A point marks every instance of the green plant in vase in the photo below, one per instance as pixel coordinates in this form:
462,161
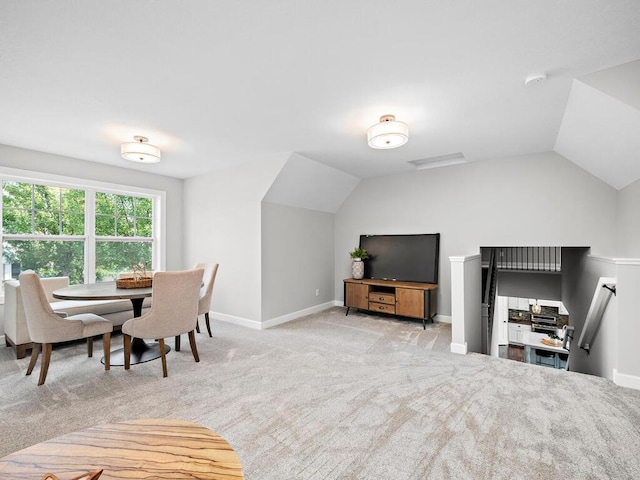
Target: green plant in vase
360,253
357,266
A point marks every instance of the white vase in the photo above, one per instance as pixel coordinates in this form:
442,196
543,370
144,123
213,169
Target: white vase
357,268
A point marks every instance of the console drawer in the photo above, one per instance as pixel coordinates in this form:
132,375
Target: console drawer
382,307
378,297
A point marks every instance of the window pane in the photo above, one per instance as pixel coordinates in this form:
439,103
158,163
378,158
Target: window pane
16,221
125,227
124,205
73,223
44,219
72,200
105,203
46,223
145,228
131,216
15,194
46,198
105,226
144,207
113,258
47,258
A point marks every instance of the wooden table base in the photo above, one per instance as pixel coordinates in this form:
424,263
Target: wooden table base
138,449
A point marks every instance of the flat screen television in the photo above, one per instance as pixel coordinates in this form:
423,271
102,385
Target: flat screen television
406,258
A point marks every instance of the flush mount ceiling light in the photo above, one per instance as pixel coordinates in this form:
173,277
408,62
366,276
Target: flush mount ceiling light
140,151
389,133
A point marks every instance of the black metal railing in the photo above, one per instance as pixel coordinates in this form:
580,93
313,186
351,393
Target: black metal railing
536,259
488,301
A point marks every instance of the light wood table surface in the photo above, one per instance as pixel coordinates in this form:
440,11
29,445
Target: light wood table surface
150,448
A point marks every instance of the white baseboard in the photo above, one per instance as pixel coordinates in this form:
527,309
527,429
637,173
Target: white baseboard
2,339
245,322
624,380
443,318
300,313
460,348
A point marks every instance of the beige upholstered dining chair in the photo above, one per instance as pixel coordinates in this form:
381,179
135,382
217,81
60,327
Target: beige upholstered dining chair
204,304
46,327
174,311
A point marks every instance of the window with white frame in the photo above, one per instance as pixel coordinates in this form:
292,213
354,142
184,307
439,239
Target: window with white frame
86,233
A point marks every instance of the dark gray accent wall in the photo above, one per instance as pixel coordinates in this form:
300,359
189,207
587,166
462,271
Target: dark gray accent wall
546,286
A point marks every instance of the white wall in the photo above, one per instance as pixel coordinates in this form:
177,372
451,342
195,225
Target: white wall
535,200
628,304
547,286
629,221
297,258
222,223
628,285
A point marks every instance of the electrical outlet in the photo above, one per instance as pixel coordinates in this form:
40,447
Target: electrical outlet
317,292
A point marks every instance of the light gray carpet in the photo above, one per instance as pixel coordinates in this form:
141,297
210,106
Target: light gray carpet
335,397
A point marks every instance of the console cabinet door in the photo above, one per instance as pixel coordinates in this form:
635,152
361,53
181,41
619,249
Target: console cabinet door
410,302
357,295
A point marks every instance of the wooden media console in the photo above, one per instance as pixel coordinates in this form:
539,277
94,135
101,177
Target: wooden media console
407,299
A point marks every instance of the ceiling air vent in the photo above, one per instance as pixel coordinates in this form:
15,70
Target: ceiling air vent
439,161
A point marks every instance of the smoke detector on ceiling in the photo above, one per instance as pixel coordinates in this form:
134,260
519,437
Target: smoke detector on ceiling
535,78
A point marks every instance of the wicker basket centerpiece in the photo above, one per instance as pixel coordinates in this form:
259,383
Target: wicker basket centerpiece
137,278
131,282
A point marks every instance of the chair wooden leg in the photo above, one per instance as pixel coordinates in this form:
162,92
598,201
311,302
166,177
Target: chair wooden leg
164,357
206,318
197,326
46,358
127,351
21,350
194,348
89,347
177,343
106,346
35,350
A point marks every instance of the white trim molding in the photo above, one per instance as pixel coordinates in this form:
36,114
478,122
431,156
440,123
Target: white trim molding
256,325
627,261
464,259
459,348
624,380
295,315
596,258
243,322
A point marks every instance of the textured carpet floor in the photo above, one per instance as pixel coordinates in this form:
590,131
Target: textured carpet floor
335,397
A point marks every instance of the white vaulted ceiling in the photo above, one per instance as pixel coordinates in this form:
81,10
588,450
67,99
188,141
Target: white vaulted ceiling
600,130
218,83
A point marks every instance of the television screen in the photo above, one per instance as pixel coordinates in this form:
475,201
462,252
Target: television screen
407,258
